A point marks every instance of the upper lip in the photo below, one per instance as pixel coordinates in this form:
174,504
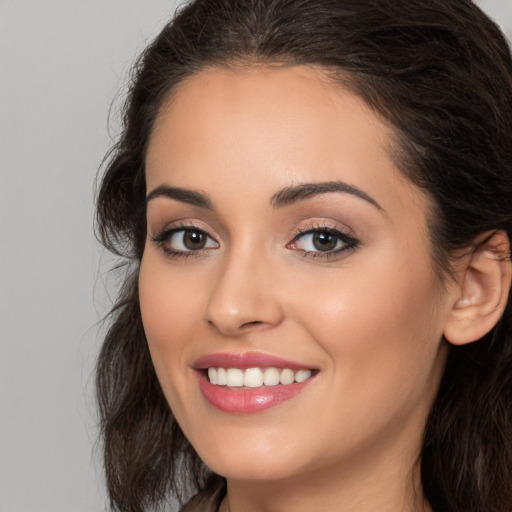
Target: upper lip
246,360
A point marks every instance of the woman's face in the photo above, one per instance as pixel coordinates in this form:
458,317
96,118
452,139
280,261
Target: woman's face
283,243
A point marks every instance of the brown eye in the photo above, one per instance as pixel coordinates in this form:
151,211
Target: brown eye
323,241
194,240
184,240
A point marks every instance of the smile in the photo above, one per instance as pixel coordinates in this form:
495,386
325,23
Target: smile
251,382
256,377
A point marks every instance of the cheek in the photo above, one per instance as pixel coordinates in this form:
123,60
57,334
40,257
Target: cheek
371,300
171,311
170,314
381,330
168,299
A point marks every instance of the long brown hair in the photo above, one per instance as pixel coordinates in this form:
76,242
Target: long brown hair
440,72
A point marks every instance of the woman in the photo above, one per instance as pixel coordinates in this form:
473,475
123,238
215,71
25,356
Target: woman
315,198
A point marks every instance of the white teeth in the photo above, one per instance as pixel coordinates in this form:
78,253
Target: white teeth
256,377
212,375
287,376
234,377
300,376
221,377
253,378
271,377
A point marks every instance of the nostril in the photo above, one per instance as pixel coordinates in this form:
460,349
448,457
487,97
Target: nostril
235,328
248,325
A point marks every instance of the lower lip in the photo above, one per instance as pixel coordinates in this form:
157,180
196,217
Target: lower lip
249,400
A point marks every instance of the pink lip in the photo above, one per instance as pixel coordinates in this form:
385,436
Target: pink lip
247,400
246,360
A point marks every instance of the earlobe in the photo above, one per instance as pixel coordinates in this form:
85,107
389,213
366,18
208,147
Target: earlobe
484,285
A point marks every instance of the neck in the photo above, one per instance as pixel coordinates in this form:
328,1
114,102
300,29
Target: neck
304,496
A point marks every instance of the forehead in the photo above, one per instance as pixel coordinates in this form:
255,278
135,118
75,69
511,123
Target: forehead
266,127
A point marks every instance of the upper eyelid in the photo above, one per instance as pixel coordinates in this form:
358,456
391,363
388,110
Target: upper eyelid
341,234
293,234
176,229
321,225
171,230
183,224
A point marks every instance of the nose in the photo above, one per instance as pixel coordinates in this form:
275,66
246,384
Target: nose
244,296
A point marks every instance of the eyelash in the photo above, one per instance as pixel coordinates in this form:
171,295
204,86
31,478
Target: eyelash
350,243
163,238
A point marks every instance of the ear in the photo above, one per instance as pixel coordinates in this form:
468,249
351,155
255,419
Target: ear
484,283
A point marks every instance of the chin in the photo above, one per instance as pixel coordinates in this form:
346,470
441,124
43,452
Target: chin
253,459
254,470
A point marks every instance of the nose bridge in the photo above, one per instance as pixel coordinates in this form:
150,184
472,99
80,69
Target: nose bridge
243,295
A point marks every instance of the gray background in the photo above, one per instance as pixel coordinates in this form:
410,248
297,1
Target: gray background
61,65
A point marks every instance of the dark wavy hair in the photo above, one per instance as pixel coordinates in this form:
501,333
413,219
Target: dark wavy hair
440,73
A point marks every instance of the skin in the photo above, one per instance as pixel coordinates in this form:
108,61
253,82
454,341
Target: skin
371,318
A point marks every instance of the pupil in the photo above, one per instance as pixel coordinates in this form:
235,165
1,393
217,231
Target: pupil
324,241
194,240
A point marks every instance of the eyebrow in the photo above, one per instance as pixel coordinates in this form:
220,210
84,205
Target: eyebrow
294,194
183,195
285,197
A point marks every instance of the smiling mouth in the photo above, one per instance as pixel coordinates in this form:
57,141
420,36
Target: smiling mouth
257,377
